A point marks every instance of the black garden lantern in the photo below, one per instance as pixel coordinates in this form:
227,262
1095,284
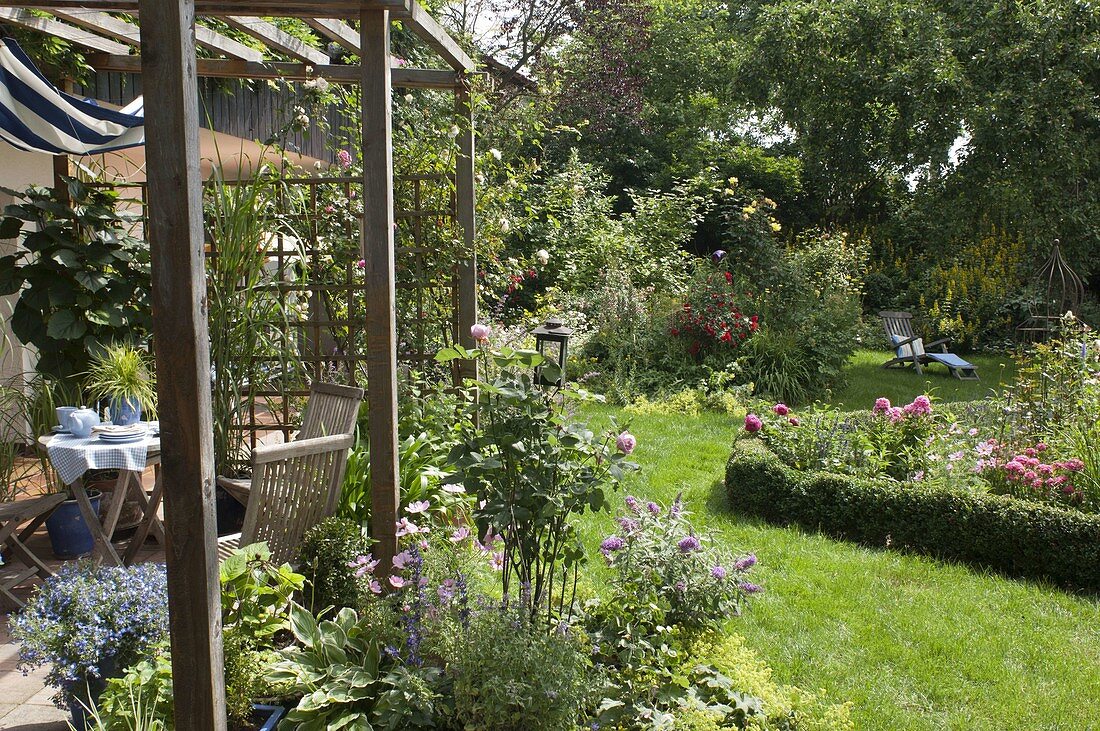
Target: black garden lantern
552,341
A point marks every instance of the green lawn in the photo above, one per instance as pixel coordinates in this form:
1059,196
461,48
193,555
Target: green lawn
912,642
867,380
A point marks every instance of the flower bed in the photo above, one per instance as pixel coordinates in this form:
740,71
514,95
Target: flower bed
1016,537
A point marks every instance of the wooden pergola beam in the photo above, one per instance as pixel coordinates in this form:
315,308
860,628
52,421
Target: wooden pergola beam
215,41
377,250
221,8
102,24
432,33
277,39
112,27
175,229
20,17
404,78
336,30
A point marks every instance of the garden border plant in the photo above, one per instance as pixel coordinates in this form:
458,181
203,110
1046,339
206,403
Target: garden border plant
1014,537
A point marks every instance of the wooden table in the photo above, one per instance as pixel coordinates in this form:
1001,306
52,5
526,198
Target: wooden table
128,483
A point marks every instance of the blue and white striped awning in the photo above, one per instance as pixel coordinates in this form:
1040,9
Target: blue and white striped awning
38,117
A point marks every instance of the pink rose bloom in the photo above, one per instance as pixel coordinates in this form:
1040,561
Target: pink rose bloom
753,423
781,409
330,209
882,405
361,264
480,332
793,421
626,442
345,159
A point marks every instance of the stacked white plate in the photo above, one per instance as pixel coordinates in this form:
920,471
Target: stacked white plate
120,434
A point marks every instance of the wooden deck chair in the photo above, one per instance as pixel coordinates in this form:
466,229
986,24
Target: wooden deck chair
909,349
13,533
294,486
330,411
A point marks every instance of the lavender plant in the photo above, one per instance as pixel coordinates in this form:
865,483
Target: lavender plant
87,621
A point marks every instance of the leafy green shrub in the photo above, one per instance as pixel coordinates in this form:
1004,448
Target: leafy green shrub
325,559
532,469
1012,536
83,280
809,305
510,673
256,593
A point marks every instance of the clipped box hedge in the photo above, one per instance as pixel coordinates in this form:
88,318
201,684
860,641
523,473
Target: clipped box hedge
1009,535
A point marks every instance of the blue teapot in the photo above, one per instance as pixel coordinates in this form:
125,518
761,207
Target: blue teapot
81,422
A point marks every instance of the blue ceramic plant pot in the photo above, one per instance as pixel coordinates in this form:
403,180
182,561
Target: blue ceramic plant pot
267,716
125,412
69,534
86,695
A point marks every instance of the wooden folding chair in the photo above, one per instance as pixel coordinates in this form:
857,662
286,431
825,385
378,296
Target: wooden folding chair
13,516
331,410
294,486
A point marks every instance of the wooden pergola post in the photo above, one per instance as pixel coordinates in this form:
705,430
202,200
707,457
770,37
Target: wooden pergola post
175,230
465,203
378,252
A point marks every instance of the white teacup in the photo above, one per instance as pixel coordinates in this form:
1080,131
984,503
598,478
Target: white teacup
63,414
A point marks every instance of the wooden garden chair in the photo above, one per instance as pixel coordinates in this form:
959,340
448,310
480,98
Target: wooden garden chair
331,410
909,349
18,520
294,486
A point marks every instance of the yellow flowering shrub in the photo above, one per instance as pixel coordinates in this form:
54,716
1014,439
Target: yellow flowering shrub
968,298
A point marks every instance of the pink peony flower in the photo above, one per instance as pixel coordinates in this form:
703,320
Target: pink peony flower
480,332
793,421
626,442
781,409
753,423
882,405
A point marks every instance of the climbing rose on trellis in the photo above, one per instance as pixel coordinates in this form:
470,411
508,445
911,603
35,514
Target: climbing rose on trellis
711,319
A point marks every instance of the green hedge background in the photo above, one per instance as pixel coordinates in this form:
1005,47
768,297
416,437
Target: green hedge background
1005,534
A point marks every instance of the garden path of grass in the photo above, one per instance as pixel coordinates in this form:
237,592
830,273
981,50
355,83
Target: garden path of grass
912,642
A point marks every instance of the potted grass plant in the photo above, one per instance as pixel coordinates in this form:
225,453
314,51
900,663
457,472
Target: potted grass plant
122,375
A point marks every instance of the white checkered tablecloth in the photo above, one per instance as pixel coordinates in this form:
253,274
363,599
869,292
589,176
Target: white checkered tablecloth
73,456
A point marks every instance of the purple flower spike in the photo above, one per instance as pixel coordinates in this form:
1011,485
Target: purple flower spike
750,588
718,572
612,543
745,563
653,508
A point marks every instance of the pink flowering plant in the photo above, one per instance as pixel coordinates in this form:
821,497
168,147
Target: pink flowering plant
671,574
531,469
